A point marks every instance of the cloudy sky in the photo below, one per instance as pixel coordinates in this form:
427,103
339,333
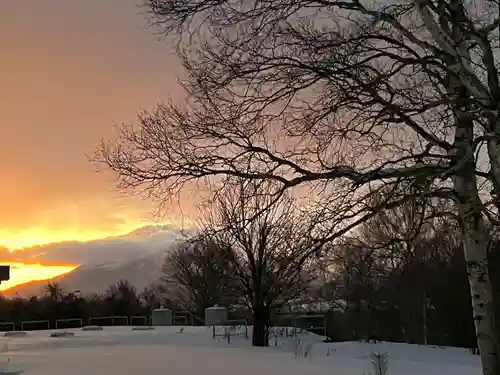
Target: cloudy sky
70,70
47,261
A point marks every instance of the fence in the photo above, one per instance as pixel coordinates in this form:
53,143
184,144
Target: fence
184,318
291,324
231,328
7,326
179,320
315,323
112,320
69,323
108,320
39,324
139,320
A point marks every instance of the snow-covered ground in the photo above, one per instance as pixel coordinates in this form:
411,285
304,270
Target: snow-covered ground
122,351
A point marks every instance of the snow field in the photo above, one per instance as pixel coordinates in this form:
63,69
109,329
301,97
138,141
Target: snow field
121,350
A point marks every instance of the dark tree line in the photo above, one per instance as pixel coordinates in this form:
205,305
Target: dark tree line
404,279
54,303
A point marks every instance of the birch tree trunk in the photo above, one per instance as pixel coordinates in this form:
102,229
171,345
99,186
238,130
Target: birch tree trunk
494,156
475,234
476,257
475,242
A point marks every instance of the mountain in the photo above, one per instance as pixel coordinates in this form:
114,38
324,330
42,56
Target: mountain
140,272
136,257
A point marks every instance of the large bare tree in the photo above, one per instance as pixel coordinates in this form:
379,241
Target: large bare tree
274,253
340,96
198,274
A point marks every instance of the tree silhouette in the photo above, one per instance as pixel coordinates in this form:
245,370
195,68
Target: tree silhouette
198,274
339,98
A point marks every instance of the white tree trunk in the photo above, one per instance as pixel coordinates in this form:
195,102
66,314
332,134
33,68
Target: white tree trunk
494,155
476,251
476,240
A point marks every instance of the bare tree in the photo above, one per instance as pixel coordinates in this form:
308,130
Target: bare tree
150,297
198,274
273,251
339,95
398,290
122,298
403,242
54,291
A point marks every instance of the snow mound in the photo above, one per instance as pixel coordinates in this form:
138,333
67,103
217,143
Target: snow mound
62,334
143,328
11,371
14,334
92,328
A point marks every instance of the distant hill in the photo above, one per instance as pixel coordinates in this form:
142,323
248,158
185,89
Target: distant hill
136,257
141,272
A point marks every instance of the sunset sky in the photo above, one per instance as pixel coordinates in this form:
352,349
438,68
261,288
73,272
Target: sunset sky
70,70
21,273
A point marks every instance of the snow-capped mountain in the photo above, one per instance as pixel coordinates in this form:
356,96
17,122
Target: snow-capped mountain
136,257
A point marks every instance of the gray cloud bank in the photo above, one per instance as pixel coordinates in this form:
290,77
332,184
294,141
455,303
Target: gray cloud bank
145,241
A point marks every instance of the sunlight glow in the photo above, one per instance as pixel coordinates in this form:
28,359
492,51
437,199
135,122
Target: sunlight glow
37,236
29,237
21,273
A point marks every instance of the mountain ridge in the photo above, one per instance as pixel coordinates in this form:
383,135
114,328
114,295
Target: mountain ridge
136,256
